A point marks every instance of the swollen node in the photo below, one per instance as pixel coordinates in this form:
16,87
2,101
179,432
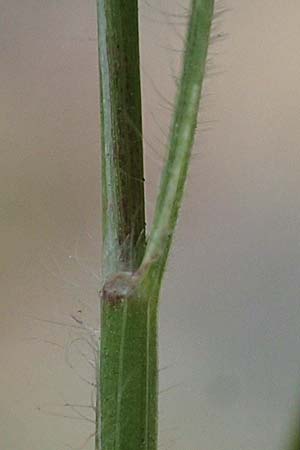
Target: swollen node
118,288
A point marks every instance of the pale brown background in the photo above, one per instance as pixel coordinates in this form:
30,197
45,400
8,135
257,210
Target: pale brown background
230,310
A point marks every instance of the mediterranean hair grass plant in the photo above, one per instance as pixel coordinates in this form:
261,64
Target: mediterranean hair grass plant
133,260
125,355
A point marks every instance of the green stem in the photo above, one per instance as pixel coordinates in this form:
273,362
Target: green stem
128,377
293,441
122,409
295,445
181,134
123,211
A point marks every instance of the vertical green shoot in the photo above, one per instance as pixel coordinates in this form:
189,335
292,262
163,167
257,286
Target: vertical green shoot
182,133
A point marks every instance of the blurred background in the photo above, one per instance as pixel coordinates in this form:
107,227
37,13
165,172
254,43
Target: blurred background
230,309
